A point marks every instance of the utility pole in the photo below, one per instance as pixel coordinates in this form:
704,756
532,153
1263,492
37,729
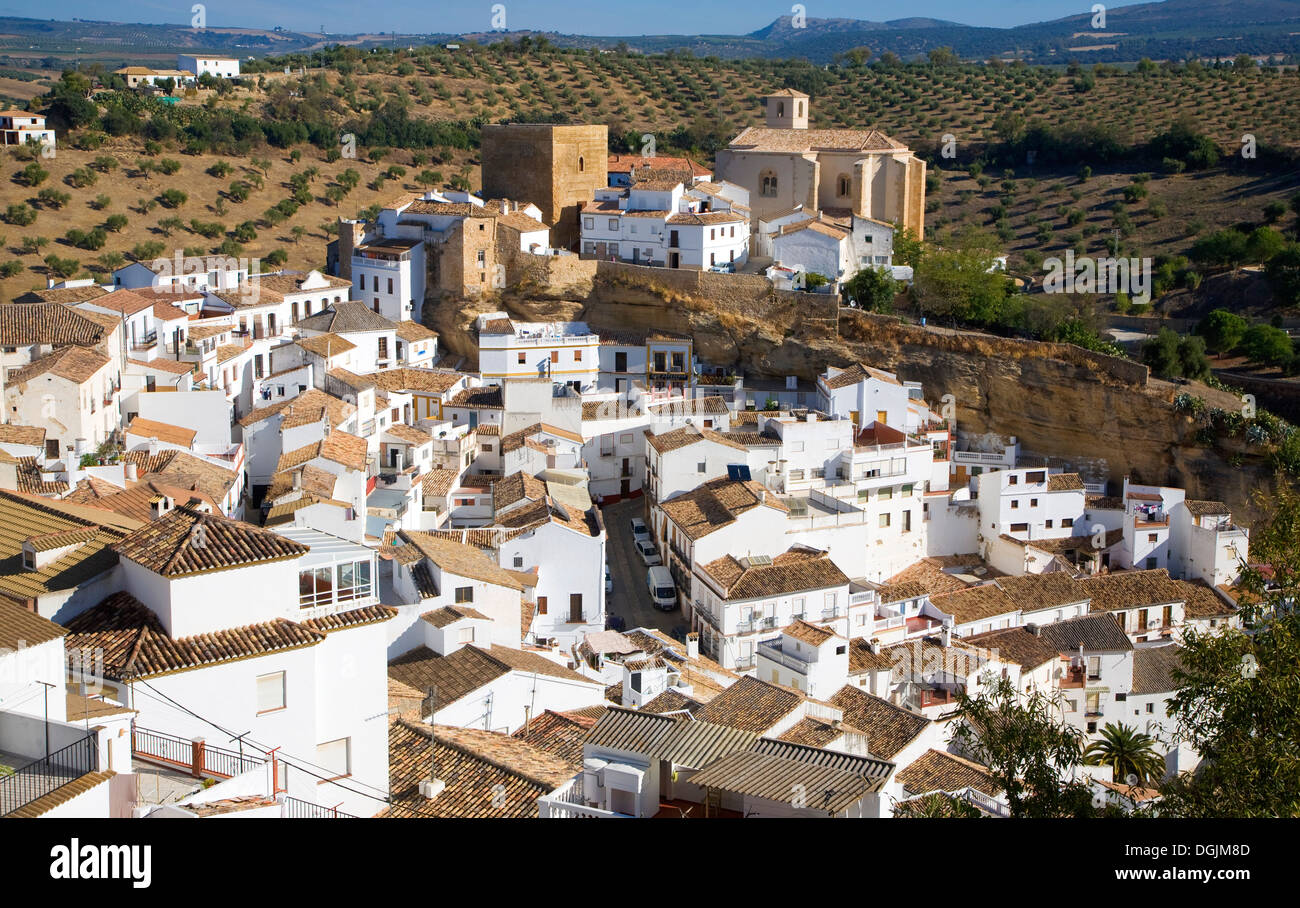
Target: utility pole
47,685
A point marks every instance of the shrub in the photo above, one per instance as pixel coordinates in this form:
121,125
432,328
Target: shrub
20,215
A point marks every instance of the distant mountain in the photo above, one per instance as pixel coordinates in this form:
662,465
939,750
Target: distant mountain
1172,29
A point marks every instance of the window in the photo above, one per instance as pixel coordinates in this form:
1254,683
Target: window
465,635
315,587
767,184
555,356
1015,504
701,466
1151,707
589,223
362,285
1033,502
335,757
1152,537
1094,668
390,282
577,356
464,594
541,605
1067,522
613,223
1151,563
845,185
519,561
1048,524
481,258
354,580
1020,528
1012,480
884,520
575,608
907,521
383,348
270,692
885,494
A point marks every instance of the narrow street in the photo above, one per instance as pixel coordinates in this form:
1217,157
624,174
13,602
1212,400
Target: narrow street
630,599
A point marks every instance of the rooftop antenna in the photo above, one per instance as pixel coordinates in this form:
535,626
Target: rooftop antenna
432,786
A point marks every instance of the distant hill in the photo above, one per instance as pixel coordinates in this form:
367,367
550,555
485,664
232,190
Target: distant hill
1172,29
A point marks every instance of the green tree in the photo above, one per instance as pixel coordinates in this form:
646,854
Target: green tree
873,289
1222,330
1266,345
1283,272
1128,752
1237,689
1027,748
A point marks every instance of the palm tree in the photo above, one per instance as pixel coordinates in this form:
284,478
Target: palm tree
1127,752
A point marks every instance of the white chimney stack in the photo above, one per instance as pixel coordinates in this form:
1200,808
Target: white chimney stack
693,645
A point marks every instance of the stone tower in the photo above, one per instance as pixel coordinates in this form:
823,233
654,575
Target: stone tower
787,109
557,168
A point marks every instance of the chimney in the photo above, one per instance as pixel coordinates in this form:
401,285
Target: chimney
945,637
297,479
132,472
1034,629
873,646
693,645
431,788
504,205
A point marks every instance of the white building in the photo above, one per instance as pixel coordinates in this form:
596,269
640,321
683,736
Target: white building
221,67
664,224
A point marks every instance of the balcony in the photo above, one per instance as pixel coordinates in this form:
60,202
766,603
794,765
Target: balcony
771,649
148,342
36,778
1071,679
930,698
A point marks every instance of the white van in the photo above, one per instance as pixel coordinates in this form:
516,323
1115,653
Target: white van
663,592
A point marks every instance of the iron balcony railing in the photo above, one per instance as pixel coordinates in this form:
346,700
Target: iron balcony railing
199,757
298,809
40,777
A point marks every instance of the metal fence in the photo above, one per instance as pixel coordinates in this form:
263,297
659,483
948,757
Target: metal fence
296,808
40,777
199,757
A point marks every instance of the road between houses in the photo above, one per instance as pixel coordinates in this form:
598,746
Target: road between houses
630,599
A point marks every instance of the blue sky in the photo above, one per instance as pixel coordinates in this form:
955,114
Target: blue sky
592,17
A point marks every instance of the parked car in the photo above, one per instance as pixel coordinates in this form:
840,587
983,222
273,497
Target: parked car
648,552
609,581
614,622
639,530
663,592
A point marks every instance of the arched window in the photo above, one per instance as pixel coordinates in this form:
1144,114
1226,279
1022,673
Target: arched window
800,108
844,185
780,108
581,164
767,183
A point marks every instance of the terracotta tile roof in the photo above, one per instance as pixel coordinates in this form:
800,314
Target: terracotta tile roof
61,795
665,442
432,381
751,705
717,504
801,141
48,323
21,628
125,302
75,364
467,669
1038,591
791,572
166,432
357,617
1131,589
342,318
441,617
414,332
771,769
976,603
290,283
558,734
460,559
517,487
538,513
81,708
174,367
482,398
64,295
1104,502
1098,633
311,401
1064,482
706,218
351,379
184,470
497,326
31,479
136,502
186,542
326,346
135,644
672,701
898,592
1153,668
813,732
857,372
1202,602
699,406
338,447
438,482
22,435
808,633
833,231
22,516
888,728
1201,508
862,659
480,768
1018,645
409,434
936,770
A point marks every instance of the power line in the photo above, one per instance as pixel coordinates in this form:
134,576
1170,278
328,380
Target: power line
281,754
